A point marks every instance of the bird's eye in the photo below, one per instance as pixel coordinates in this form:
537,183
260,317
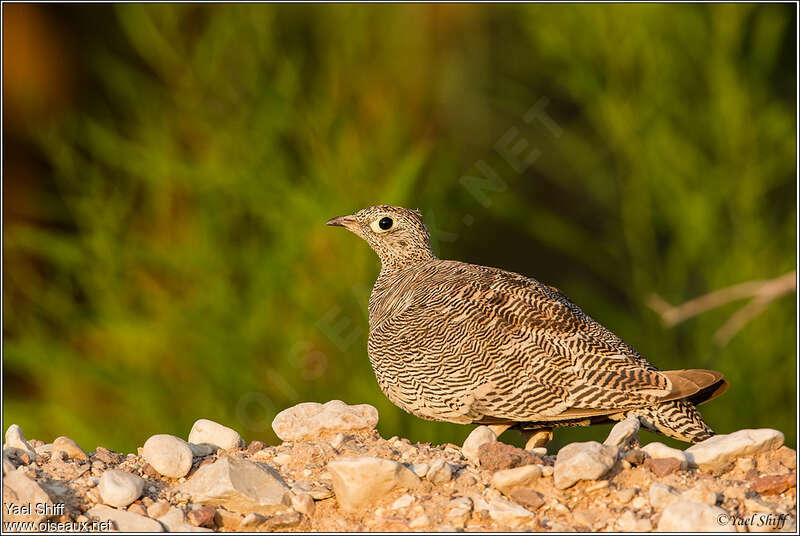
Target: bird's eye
382,225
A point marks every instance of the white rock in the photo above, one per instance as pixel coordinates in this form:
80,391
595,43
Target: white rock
125,521
660,450
458,511
21,491
482,435
214,434
44,450
158,509
700,493
662,495
15,439
624,496
404,501
539,451
282,459
719,450
175,521
420,469
310,419
508,513
440,472
547,470
118,488
360,481
628,522
253,520
304,503
69,447
693,517
419,522
638,503
508,479
583,461
238,485
169,455
623,433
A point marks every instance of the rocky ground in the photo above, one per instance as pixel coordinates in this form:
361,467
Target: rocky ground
333,472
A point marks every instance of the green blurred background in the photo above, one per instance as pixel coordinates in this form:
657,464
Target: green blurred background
168,170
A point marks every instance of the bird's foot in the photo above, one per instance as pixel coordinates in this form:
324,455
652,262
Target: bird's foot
537,438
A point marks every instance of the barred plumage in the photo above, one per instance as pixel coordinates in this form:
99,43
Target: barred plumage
461,343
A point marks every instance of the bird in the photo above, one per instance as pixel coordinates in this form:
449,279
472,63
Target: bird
469,344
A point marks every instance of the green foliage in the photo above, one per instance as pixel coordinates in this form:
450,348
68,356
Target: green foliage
182,269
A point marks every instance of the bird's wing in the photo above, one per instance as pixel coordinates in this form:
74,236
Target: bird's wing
525,349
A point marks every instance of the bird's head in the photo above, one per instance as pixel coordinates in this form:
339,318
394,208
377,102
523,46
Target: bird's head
398,235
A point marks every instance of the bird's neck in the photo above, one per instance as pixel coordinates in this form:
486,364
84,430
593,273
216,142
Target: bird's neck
394,263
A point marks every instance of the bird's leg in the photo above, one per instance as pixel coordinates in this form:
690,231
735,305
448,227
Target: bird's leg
536,438
499,428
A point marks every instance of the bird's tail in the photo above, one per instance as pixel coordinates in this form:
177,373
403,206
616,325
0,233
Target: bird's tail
678,419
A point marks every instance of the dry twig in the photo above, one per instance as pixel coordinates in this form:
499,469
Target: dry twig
762,292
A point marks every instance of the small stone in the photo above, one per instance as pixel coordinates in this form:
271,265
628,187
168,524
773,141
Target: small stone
281,521
603,484
584,517
360,481
158,509
19,490
700,493
209,432
337,440
106,456
175,521
202,517
69,447
282,459
404,501
44,450
15,439
137,508
508,513
230,521
527,497
420,522
772,485
662,466
420,469
638,503
539,451
253,520
786,456
311,419
239,485
440,472
123,520
496,456
721,449
623,433
628,522
508,479
466,480
118,488
583,461
169,455
547,470
746,464
660,450
634,457
692,517
624,496
255,446
304,503
482,435
662,495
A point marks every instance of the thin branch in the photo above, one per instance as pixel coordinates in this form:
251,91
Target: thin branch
762,292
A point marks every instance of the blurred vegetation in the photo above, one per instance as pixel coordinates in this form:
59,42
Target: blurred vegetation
168,170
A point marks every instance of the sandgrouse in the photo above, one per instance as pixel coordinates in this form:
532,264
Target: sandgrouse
462,343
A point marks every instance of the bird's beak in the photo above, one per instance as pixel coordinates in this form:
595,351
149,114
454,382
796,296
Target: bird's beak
348,222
